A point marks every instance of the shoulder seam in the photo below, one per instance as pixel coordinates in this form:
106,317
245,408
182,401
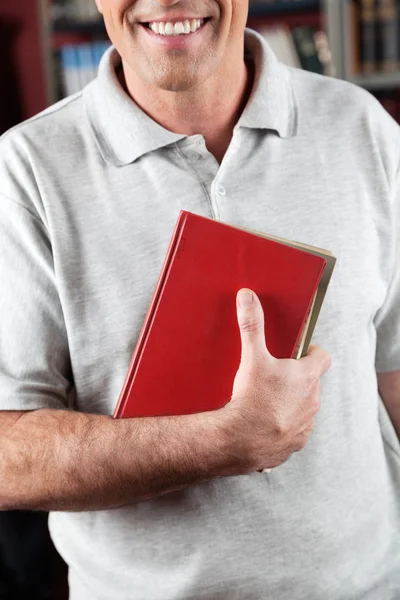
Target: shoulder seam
23,207
42,115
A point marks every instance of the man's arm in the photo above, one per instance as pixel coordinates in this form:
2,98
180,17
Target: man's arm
61,460
389,389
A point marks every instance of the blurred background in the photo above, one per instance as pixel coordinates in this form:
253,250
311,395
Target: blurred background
52,48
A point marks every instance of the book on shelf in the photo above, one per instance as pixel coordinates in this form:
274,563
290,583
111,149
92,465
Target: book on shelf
303,38
368,36
387,35
352,49
284,5
303,47
188,351
74,10
373,29
281,42
79,64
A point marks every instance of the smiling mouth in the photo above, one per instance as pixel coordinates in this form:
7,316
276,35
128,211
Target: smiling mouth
175,28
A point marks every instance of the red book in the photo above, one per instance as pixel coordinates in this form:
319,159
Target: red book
188,351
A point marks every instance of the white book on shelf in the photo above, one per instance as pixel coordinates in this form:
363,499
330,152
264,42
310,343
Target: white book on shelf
93,12
86,64
69,70
81,10
281,42
88,10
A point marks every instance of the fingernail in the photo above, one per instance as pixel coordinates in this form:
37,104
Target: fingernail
245,299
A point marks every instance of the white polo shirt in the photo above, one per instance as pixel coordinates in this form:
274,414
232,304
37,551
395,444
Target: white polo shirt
89,193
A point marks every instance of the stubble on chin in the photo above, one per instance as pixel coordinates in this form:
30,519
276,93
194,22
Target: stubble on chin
172,71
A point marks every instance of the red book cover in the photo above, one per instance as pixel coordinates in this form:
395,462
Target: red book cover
188,351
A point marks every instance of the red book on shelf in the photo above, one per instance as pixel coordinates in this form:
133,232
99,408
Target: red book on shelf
188,351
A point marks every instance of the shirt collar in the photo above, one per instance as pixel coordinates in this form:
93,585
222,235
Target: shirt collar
124,132
272,104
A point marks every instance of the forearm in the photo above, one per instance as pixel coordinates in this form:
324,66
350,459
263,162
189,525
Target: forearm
61,460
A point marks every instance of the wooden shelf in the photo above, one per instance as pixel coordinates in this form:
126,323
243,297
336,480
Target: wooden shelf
260,9
377,81
91,27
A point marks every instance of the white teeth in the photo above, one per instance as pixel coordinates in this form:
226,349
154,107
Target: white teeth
178,28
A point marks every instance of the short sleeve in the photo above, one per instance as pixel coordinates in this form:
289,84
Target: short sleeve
34,359
387,321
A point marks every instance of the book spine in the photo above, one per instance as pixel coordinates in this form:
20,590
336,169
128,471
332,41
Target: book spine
290,54
86,67
353,58
171,252
71,10
321,42
98,49
93,13
80,10
286,5
387,32
367,36
69,70
303,38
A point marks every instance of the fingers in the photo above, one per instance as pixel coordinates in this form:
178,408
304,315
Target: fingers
251,324
317,361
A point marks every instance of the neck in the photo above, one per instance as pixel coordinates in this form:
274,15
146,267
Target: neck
211,109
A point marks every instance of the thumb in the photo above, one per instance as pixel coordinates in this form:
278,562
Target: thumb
251,324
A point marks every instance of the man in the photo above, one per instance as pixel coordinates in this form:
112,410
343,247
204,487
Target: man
168,508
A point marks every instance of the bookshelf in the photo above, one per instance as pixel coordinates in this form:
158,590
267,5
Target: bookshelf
377,81
340,28
90,27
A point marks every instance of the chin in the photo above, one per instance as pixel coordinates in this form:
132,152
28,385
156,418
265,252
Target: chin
174,80
179,77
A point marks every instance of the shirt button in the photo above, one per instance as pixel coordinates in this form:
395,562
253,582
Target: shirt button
221,190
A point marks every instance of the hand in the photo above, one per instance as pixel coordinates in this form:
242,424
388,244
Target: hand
274,401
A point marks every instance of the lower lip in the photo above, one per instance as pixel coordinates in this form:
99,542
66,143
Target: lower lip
175,41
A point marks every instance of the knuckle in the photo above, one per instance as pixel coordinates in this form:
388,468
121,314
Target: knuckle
250,324
300,443
310,427
312,379
303,439
316,403
281,427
